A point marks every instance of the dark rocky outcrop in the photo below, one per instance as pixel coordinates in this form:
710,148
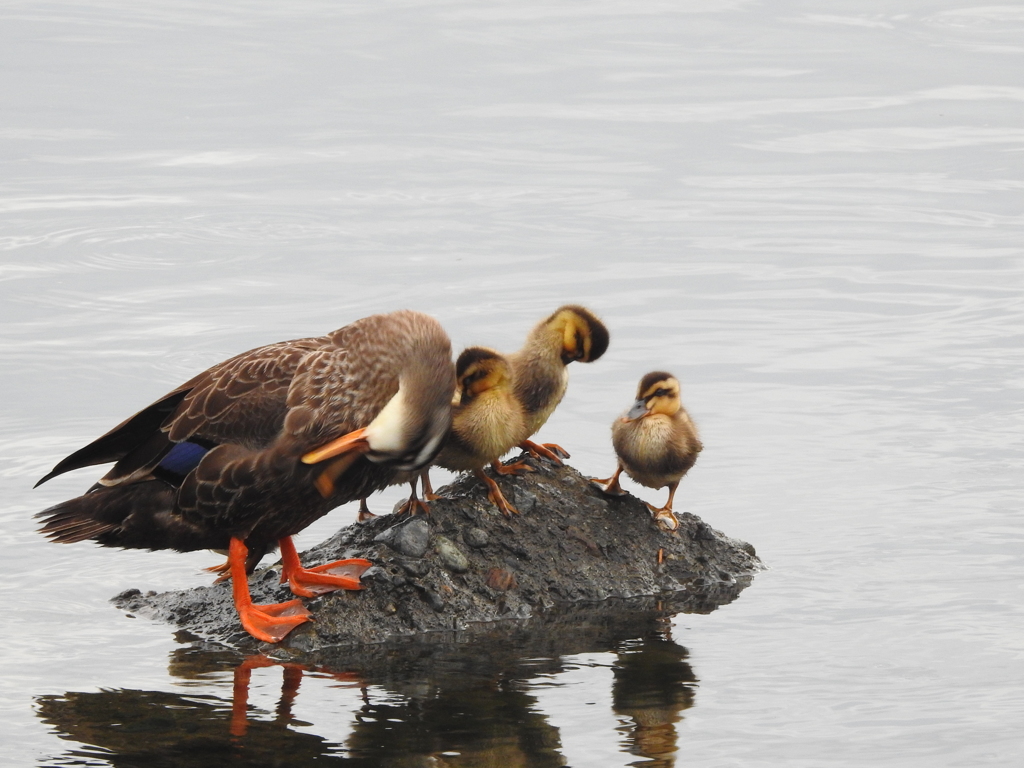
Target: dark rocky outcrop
466,566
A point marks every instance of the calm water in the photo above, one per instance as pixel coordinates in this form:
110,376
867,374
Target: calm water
811,213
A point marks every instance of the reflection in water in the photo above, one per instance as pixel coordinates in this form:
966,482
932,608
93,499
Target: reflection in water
454,700
652,686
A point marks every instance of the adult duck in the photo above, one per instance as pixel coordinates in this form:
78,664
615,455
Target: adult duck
253,450
656,443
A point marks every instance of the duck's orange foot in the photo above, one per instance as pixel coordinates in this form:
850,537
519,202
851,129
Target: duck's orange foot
272,623
550,451
664,518
515,468
329,577
223,571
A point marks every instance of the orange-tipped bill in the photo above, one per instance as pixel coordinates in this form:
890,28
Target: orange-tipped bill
353,442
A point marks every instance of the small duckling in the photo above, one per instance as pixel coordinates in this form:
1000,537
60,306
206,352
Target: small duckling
656,443
540,376
487,420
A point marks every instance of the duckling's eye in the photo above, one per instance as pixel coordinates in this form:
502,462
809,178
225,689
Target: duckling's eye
661,393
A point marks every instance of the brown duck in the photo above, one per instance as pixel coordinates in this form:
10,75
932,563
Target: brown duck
656,443
253,450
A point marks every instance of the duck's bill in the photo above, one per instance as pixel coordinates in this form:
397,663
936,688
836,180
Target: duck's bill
353,442
638,410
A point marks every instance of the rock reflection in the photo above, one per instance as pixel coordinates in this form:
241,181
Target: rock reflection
446,700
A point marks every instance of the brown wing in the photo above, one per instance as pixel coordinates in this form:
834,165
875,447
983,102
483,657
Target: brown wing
344,384
242,400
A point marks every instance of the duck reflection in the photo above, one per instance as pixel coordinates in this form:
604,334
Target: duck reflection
652,686
457,700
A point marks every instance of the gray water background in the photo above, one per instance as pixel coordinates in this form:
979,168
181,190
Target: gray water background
810,212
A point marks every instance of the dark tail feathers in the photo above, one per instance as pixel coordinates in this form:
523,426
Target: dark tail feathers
136,516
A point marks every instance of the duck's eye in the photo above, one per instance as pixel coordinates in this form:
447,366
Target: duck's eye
661,393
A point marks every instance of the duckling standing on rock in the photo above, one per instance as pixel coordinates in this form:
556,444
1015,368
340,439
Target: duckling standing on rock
656,443
487,420
540,377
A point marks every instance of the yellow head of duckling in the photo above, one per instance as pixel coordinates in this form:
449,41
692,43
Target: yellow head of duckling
584,336
658,393
478,370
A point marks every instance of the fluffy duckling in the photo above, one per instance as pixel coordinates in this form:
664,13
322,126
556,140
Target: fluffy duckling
487,420
656,443
540,376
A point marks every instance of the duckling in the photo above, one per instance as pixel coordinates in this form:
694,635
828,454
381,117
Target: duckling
656,443
540,376
487,420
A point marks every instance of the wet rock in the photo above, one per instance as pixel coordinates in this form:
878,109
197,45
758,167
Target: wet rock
450,555
477,538
523,500
415,568
569,545
410,539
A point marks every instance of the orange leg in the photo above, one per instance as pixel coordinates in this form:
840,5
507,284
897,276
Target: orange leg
550,451
240,693
310,582
495,495
364,513
269,623
610,485
428,489
663,516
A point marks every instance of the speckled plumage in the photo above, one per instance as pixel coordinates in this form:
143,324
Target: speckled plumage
257,414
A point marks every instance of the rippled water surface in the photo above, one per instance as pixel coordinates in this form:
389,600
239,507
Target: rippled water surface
812,213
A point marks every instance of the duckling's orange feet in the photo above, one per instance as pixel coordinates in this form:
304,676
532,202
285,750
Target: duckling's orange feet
414,506
664,518
515,468
330,577
610,485
550,451
364,513
272,623
495,495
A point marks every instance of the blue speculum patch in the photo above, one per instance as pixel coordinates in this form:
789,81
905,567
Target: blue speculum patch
183,458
